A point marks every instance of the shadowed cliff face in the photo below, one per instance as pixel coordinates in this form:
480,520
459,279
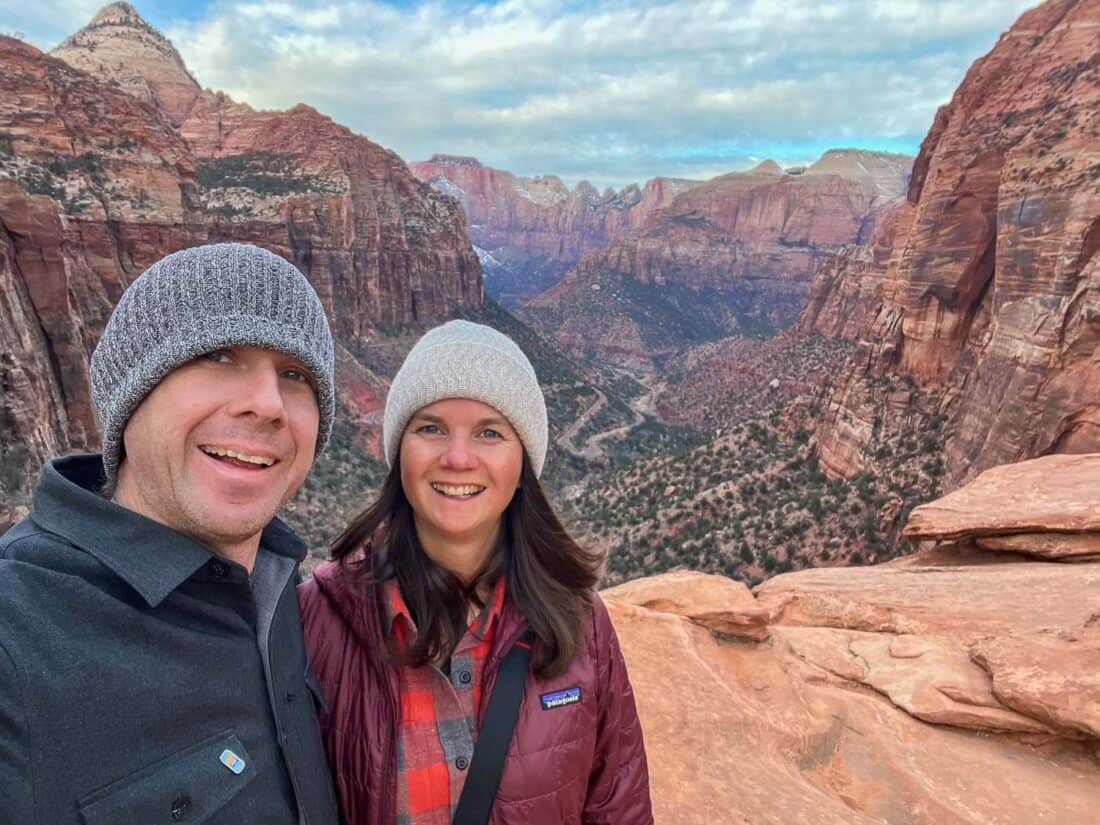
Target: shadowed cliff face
105,171
990,297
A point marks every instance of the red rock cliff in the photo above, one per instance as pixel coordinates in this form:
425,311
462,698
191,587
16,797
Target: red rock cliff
990,300
538,227
735,254
104,171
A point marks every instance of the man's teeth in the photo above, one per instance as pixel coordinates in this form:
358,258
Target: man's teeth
251,459
460,490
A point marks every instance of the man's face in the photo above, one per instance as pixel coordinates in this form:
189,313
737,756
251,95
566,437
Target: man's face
221,444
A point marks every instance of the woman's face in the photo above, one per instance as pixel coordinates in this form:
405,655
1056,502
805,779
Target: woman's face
460,466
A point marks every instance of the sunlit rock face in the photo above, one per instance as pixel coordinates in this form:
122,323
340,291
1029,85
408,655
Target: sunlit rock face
957,684
734,255
990,299
532,230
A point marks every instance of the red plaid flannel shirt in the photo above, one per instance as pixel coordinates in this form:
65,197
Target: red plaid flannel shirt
439,714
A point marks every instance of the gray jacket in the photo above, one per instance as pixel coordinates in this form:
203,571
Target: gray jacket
143,680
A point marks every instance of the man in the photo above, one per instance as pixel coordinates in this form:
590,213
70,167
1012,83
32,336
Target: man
151,659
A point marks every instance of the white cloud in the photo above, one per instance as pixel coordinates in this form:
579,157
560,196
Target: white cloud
621,90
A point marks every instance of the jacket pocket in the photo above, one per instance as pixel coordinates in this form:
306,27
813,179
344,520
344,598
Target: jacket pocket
189,786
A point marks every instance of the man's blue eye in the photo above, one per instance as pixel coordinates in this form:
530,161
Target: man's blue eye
491,433
217,355
430,429
296,375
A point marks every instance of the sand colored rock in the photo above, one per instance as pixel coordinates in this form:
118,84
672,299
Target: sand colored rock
1055,678
953,685
1064,546
823,722
714,602
1058,493
155,72
989,302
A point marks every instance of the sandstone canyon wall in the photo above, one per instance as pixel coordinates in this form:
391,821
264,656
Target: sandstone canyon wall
109,163
734,255
530,231
990,301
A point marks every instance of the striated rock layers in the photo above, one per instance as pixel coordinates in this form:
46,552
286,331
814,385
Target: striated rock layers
990,302
96,183
530,231
733,255
956,685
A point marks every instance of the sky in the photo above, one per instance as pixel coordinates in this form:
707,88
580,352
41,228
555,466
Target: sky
613,92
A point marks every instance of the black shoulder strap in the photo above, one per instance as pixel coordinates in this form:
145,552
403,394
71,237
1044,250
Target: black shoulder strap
493,739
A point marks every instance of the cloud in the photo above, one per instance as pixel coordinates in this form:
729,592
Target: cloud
615,91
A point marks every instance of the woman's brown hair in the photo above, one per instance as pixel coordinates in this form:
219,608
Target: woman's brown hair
547,574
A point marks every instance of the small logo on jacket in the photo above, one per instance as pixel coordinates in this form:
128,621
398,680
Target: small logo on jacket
560,698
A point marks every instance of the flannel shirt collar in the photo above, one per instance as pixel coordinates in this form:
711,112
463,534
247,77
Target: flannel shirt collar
401,627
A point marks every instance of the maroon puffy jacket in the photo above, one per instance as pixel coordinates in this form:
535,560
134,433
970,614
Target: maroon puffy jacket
578,764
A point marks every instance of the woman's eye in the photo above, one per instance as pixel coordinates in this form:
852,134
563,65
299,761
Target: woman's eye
490,433
219,356
428,429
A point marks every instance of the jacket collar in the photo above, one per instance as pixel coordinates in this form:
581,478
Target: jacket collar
151,558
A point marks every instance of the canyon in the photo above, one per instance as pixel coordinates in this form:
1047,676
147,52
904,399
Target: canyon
836,428
529,231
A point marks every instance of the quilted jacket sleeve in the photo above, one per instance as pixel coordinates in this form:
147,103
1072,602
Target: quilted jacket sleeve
618,788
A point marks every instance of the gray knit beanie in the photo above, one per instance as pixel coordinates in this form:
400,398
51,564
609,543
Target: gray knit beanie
465,360
195,301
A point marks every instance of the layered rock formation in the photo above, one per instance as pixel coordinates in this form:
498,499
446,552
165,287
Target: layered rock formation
848,286
109,163
990,299
734,255
530,231
957,684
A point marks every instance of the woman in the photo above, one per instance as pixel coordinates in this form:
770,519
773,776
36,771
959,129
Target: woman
460,558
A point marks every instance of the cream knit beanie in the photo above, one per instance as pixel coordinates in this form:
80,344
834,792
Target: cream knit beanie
461,359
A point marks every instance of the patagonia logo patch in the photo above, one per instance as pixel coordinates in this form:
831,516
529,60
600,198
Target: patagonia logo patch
560,698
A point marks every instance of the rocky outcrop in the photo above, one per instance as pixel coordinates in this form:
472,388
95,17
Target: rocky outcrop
952,685
1047,507
107,166
529,231
731,256
989,302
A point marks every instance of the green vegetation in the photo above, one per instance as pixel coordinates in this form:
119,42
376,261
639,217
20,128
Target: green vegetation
266,173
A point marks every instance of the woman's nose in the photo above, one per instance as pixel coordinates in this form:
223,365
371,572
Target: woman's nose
458,455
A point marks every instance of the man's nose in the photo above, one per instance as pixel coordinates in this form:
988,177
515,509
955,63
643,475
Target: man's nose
259,393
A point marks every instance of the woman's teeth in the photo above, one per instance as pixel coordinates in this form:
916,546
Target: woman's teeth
457,490
248,459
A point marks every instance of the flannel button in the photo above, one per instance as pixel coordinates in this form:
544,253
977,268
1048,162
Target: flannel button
462,763
465,677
